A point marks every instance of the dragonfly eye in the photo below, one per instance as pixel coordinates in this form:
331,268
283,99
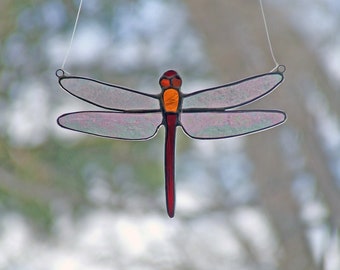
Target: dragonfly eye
176,82
164,83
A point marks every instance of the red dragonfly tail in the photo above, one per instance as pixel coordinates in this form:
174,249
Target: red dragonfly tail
171,122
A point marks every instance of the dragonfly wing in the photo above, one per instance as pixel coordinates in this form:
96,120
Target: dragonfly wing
108,96
224,124
234,94
117,125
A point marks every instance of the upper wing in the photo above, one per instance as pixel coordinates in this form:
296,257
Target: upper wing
108,96
118,125
234,94
224,124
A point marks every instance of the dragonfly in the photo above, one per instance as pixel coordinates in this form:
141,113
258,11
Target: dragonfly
205,114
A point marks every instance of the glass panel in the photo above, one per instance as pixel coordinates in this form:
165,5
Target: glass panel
118,125
234,94
109,96
215,125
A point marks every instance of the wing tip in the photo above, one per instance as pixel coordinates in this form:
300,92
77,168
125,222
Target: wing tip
62,118
284,117
59,120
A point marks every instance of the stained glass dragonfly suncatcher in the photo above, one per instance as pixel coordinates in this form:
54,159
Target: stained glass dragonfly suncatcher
204,114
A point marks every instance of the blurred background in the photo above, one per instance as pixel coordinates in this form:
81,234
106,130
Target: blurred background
269,201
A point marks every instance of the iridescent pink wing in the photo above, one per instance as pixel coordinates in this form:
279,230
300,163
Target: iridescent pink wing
234,94
108,96
133,115
206,114
225,124
117,125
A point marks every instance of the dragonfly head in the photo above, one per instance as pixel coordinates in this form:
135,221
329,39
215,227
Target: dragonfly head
170,79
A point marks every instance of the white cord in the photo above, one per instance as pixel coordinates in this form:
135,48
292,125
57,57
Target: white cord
78,14
72,37
268,37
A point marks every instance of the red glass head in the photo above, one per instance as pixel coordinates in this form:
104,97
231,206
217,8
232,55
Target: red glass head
170,79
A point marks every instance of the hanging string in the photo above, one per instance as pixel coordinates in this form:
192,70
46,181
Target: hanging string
72,37
277,66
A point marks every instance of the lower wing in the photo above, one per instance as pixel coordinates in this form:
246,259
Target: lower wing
117,125
224,124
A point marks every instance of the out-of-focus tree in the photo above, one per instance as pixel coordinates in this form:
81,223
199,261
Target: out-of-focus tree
289,173
291,160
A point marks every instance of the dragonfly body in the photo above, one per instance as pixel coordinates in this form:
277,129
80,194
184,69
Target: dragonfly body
203,114
170,83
